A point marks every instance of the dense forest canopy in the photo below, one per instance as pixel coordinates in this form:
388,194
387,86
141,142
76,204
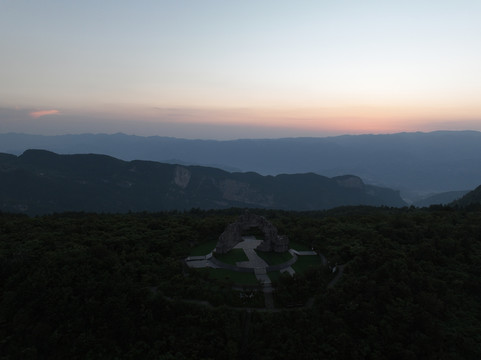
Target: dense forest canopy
84,285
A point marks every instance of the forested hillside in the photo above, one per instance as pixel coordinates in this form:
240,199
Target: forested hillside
42,182
471,198
81,285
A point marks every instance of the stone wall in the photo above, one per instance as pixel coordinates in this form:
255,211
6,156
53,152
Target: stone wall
232,235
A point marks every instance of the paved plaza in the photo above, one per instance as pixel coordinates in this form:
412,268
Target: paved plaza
255,262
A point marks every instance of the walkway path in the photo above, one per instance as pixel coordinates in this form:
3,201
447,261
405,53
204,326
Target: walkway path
297,252
268,297
248,243
254,260
340,271
260,270
289,270
200,261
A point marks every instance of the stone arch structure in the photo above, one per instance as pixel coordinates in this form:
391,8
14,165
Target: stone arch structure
232,234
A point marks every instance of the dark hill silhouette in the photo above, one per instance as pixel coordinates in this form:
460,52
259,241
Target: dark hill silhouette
420,163
471,198
40,181
441,198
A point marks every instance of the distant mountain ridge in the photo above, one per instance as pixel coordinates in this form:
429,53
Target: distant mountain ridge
419,163
40,181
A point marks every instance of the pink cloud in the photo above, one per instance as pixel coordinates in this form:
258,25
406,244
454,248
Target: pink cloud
37,114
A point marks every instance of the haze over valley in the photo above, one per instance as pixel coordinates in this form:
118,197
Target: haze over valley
417,164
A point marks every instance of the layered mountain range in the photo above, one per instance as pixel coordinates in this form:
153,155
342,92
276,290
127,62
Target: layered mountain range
40,181
418,164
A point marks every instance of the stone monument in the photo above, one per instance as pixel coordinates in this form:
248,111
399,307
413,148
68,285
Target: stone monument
232,235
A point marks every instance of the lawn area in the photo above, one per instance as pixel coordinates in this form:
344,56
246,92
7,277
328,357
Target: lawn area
204,248
273,258
274,275
232,276
233,256
305,262
299,246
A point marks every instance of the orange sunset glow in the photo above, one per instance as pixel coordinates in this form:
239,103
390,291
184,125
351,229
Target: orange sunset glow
40,113
243,70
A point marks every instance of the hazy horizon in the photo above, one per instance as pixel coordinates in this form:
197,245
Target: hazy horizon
236,138
229,70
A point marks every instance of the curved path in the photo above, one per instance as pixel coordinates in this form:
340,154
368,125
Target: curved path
340,271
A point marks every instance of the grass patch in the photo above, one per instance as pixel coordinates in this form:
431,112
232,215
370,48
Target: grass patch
233,256
204,248
299,246
305,262
274,276
230,276
273,258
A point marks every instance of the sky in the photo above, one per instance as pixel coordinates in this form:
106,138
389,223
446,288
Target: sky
239,69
